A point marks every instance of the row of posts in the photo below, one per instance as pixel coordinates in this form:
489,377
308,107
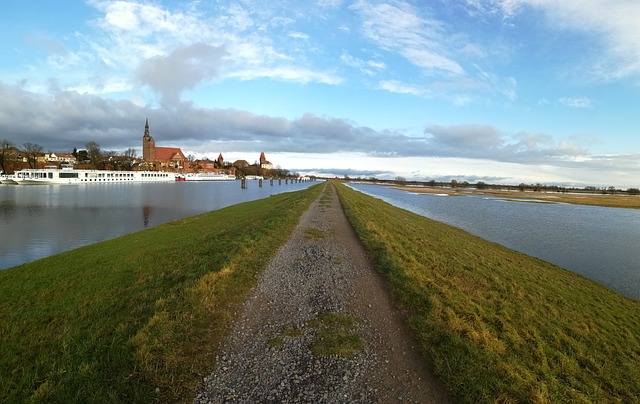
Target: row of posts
243,181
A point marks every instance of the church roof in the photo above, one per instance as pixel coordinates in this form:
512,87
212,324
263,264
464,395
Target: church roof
168,153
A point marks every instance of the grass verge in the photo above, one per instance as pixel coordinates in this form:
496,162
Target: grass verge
497,325
136,318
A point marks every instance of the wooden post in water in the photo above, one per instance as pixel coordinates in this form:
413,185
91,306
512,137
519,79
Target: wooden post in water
271,181
260,182
243,183
279,181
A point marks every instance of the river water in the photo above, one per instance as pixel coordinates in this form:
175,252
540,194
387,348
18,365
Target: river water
602,244
37,221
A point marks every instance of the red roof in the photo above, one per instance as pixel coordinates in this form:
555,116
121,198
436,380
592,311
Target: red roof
169,153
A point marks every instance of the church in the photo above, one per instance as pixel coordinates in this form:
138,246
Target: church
165,157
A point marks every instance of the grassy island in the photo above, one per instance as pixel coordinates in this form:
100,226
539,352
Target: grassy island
138,318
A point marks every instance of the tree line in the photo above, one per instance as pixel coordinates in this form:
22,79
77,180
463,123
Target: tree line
480,185
13,158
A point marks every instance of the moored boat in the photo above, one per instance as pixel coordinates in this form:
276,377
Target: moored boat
208,177
69,175
7,179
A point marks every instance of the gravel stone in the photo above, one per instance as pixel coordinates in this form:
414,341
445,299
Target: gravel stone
323,268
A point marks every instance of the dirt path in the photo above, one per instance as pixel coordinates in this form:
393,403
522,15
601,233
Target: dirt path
320,288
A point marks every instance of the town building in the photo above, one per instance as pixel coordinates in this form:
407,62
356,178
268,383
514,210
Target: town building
60,158
164,157
264,163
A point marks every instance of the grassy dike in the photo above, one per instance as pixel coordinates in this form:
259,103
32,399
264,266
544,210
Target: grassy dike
497,325
136,318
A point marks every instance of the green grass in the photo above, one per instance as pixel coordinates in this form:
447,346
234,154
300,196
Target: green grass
336,335
114,321
497,325
313,233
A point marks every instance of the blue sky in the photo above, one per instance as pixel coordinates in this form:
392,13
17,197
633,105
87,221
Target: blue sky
501,91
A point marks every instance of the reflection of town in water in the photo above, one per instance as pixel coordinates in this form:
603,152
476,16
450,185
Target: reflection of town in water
146,213
39,221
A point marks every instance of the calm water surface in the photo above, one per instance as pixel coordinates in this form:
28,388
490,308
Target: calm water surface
602,244
37,221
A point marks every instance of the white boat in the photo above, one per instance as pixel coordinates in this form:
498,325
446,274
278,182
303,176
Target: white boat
7,179
208,177
69,175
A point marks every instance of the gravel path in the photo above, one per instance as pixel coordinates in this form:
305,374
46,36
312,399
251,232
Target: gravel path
320,287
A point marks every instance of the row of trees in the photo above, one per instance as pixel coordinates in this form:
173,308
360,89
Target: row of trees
521,187
13,158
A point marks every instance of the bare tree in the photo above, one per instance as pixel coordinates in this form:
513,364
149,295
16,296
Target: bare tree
6,148
31,151
129,157
93,153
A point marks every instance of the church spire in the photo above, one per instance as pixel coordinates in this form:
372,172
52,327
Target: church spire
146,129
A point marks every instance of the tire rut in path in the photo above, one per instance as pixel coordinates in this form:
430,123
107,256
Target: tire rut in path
320,281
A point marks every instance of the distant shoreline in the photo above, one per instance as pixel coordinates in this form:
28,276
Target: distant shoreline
592,199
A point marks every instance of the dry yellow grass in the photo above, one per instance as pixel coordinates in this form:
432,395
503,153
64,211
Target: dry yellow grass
611,201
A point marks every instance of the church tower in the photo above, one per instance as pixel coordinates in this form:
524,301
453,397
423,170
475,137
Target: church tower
148,145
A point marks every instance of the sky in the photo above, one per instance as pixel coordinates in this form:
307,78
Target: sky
499,91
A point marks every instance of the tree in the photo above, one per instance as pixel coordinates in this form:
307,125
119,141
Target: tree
6,147
401,179
31,151
129,157
82,156
93,153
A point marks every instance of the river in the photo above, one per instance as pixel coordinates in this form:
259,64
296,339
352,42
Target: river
37,221
602,244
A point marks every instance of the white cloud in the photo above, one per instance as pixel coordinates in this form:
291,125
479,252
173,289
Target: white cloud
401,88
613,23
330,3
287,73
368,67
576,102
496,85
298,35
399,28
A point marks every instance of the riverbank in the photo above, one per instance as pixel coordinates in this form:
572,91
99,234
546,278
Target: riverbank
136,318
499,325
592,199
140,318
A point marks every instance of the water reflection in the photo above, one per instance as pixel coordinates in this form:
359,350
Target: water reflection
146,212
7,208
38,221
